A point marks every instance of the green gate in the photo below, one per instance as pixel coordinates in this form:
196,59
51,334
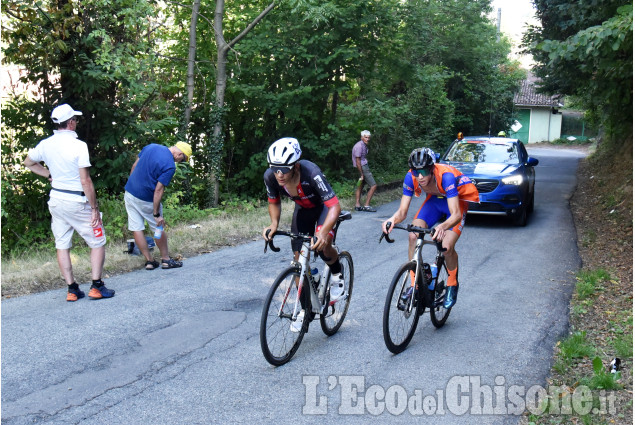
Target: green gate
523,117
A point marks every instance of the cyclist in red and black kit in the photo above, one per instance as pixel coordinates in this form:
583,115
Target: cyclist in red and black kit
447,195
317,207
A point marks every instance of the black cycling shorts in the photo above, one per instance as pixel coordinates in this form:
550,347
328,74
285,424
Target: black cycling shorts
305,220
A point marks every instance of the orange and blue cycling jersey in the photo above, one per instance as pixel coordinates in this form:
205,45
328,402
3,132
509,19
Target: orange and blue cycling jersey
450,183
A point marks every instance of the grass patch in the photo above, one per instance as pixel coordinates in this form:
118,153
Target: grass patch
588,282
602,303
576,346
623,346
601,379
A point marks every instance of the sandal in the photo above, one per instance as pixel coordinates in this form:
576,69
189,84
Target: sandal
151,265
171,264
368,208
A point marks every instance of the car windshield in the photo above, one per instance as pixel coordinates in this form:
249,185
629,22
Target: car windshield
479,151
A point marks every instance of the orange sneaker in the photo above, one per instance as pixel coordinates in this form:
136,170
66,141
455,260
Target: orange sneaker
74,294
98,292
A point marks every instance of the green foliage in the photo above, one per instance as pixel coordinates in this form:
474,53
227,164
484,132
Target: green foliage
25,216
585,49
588,281
458,38
114,217
413,73
175,211
576,347
602,379
429,118
97,56
624,346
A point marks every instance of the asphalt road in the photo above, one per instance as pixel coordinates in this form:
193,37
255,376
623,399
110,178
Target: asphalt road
181,346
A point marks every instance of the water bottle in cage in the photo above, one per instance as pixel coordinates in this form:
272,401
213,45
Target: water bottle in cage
316,276
434,271
427,276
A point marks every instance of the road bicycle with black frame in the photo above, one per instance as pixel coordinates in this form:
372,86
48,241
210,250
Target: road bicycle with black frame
403,306
297,289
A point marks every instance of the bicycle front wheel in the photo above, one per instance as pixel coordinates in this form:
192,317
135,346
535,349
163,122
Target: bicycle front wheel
400,316
279,340
334,316
439,314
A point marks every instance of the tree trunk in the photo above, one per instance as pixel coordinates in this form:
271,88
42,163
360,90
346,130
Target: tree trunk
222,48
191,58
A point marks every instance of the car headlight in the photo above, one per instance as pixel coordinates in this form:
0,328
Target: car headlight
515,180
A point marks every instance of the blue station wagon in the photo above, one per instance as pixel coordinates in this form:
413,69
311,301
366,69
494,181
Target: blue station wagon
502,171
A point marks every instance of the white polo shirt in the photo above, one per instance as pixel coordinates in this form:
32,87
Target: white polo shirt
64,154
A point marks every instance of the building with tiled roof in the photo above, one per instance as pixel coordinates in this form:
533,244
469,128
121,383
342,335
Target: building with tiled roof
528,96
537,116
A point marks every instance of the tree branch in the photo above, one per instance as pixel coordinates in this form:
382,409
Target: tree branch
251,25
199,14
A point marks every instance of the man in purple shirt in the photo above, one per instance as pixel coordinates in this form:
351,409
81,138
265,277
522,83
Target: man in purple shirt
360,150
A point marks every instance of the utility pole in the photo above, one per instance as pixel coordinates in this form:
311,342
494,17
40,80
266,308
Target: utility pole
498,25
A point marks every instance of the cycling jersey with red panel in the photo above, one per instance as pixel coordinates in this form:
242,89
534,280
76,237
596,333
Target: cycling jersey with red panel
313,190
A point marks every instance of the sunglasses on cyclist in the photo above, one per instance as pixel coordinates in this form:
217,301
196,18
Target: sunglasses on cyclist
284,169
424,172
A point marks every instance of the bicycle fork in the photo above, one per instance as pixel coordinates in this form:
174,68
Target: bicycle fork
303,265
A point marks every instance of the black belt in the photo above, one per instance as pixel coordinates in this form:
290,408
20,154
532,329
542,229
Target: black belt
72,192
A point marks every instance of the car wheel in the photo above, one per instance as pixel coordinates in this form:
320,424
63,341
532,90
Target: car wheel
520,218
530,205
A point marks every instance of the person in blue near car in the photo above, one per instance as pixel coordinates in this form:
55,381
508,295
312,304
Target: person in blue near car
447,195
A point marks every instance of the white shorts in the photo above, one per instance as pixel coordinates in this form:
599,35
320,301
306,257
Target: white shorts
138,211
71,216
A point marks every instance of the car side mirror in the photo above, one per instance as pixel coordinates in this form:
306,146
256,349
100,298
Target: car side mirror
438,156
532,162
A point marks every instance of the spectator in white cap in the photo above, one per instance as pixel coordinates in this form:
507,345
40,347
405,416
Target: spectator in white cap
73,201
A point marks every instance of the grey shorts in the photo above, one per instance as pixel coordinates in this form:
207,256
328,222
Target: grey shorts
138,212
368,176
70,217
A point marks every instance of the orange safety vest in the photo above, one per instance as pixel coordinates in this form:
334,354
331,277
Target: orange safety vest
467,190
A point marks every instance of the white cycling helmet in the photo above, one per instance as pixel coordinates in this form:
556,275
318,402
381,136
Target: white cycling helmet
284,153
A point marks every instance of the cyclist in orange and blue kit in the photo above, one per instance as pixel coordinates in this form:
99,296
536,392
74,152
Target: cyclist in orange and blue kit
316,204
448,193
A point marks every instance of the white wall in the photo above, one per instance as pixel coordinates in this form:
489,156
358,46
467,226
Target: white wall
544,125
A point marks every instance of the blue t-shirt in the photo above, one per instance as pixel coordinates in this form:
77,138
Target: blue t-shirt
156,164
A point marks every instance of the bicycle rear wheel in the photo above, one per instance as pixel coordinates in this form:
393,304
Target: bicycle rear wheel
400,319
277,341
334,316
439,314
